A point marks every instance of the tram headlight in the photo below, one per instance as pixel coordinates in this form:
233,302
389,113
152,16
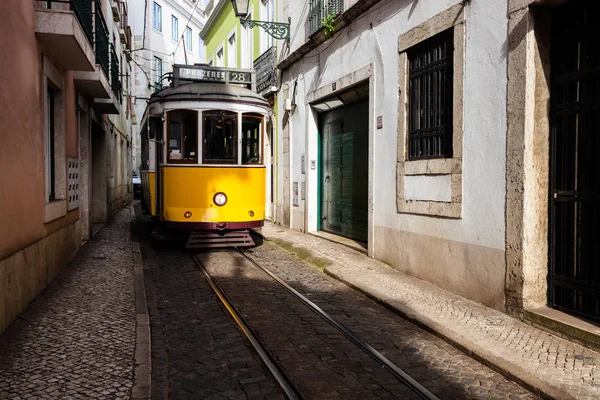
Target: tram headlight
220,199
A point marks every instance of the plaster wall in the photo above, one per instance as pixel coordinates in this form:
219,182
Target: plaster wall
24,274
21,183
478,233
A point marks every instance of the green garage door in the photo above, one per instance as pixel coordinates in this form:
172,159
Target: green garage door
344,174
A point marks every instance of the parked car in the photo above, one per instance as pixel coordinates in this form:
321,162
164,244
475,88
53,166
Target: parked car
137,184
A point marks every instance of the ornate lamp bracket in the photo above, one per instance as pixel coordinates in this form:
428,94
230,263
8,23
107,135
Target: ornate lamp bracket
278,30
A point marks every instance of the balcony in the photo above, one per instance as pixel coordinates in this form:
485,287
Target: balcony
112,105
65,29
99,83
321,9
124,28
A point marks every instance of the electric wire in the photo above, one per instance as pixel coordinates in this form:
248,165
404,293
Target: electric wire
186,25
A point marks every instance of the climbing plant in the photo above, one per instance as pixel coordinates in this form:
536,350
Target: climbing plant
327,23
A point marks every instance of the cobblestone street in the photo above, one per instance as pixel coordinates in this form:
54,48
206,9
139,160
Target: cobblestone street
76,339
197,350
438,366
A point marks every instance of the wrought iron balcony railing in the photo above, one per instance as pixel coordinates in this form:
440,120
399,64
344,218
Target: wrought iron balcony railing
82,10
101,42
321,9
115,81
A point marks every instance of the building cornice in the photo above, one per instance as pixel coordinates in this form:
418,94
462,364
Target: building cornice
212,17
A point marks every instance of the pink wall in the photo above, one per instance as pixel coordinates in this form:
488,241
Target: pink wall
21,139
71,116
21,131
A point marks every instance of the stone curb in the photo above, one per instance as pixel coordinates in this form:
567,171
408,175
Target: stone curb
142,369
498,364
487,358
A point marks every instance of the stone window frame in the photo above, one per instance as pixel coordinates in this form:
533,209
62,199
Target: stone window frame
57,207
451,18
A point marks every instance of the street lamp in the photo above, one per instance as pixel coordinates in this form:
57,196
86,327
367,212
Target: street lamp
278,30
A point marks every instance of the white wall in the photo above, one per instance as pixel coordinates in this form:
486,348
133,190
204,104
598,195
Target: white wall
484,110
371,43
160,44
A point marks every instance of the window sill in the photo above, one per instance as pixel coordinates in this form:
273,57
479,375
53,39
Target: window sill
446,203
54,210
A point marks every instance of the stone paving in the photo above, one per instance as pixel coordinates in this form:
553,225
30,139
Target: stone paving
76,340
316,357
444,370
198,352
553,366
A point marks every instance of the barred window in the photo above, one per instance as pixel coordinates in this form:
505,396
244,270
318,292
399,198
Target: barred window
320,10
430,97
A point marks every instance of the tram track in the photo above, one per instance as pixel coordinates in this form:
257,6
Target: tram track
276,370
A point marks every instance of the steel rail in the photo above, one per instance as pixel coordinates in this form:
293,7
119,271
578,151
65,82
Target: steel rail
377,356
283,381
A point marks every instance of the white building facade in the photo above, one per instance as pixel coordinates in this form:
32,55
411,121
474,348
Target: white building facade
166,32
431,205
454,141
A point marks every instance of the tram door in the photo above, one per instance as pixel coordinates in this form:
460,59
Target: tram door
574,278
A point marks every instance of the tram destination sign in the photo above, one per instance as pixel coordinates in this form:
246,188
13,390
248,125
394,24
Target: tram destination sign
212,74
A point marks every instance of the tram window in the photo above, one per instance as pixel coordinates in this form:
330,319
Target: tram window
220,137
251,139
182,138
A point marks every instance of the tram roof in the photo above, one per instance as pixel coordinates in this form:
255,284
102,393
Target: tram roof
198,91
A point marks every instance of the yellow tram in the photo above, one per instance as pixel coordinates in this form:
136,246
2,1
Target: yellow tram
202,155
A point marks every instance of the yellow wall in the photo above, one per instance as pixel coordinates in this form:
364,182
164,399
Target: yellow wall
222,27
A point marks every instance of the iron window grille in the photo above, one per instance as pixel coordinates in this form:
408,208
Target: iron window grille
430,97
115,81
101,39
319,9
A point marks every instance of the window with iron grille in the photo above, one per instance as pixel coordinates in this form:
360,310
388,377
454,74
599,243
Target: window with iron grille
430,97
319,9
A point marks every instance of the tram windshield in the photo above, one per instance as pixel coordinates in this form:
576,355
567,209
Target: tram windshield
219,137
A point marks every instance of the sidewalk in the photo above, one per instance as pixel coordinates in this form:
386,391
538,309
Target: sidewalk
77,339
541,362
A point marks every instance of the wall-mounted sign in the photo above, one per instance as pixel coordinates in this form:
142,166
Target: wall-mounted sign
265,66
380,122
212,74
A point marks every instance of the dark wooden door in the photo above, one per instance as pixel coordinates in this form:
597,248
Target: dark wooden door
344,171
574,278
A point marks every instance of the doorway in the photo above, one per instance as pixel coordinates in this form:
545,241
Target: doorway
99,177
574,234
344,173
